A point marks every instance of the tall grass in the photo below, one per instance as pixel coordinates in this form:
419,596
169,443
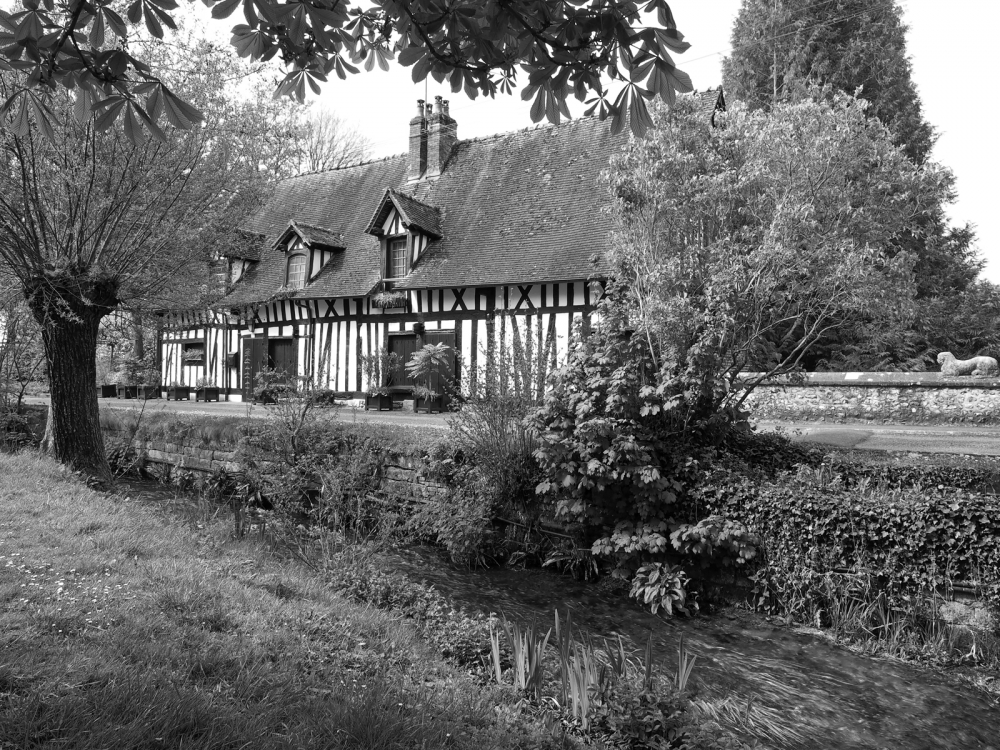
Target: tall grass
128,625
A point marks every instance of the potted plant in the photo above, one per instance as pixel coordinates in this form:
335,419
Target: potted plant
206,390
427,366
389,300
379,367
177,392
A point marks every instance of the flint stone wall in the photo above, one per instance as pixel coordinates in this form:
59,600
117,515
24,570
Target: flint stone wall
896,397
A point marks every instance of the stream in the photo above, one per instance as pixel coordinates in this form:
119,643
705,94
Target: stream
804,690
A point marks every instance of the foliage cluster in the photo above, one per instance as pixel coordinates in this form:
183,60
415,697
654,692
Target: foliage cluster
909,543
854,472
801,49
22,354
607,709
745,245
380,367
621,449
563,49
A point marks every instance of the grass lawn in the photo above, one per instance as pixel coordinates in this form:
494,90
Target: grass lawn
124,625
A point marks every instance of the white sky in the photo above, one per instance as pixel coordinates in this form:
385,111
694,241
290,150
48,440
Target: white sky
950,44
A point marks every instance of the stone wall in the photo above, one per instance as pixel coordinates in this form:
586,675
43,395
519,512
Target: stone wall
896,397
403,475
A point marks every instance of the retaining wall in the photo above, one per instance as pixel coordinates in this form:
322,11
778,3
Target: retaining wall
896,397
403,474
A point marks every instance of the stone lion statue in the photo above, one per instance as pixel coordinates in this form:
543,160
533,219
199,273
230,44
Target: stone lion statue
980,367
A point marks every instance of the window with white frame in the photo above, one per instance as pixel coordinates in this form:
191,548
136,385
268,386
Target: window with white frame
395,257
296,278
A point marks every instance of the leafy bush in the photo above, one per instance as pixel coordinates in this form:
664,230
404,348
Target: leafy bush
811,525
855,471
767,452
660,586
15,431
492,431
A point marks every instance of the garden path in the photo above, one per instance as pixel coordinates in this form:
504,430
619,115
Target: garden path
806,691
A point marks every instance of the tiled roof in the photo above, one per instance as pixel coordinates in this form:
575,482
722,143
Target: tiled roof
245,245
417,214
515,208
315,236
340,200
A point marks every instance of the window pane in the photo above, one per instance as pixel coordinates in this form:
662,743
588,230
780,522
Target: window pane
396,266
297,271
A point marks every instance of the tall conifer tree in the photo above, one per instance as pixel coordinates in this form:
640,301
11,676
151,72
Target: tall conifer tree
781,46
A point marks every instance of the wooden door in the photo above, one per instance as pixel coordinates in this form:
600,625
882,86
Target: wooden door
282,358
441,381
403,345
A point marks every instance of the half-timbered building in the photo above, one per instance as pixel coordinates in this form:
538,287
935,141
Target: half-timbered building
478,244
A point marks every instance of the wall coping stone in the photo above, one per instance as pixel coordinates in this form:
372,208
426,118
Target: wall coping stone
875,380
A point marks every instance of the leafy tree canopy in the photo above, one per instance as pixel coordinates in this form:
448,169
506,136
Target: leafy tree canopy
562,47
740,247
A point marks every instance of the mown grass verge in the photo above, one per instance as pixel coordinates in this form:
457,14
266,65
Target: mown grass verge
122,627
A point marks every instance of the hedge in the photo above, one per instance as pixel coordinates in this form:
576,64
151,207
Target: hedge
911,541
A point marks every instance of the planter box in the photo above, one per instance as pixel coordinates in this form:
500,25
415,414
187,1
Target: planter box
109,391
208,393
138,391
430,405
178,393
378,402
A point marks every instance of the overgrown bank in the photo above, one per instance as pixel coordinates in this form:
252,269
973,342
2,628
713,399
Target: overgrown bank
877,551
132,625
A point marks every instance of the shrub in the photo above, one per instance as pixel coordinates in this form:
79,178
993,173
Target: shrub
909,544
768,452
492,431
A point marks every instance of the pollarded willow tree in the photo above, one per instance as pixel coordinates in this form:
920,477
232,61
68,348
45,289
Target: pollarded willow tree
561,48
90,221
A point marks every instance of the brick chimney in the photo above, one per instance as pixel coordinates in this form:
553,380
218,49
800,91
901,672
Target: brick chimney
442,133
417,164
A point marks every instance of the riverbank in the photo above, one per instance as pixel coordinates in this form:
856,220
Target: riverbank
128,625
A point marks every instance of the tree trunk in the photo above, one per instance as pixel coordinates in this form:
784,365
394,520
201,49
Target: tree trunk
69,314
138,343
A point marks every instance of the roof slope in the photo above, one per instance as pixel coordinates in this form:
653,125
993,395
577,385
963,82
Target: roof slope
524,207
341,201
521,207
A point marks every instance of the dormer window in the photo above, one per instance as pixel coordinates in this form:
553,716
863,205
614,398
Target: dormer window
395,257
296,276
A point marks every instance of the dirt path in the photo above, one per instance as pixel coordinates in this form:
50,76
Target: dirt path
806,692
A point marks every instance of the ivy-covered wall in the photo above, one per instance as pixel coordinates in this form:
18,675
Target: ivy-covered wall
908,398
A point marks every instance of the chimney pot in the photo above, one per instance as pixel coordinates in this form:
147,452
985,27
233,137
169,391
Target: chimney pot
442,134
417,161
